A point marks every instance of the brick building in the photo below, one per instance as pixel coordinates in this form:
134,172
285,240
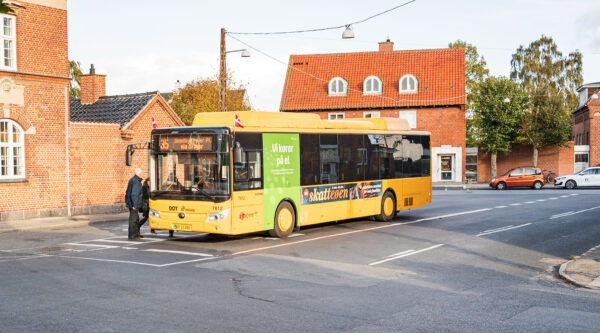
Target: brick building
53,162
426,87
585,121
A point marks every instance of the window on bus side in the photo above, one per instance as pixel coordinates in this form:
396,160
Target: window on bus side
249,175
330,158
426,158
310,165
352,163
372,157
410,156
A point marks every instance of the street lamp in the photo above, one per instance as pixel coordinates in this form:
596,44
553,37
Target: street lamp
348,33
223,72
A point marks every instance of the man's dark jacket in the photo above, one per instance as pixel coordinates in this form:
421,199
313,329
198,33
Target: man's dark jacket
133,195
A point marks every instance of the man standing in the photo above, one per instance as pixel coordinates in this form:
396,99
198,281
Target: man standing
134,202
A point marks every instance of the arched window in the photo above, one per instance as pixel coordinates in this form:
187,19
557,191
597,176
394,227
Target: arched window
12,151
408,84
338,87
372,85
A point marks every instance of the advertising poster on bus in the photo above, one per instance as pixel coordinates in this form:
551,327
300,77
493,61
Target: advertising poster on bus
328,193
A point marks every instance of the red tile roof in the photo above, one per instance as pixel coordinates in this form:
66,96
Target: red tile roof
441,75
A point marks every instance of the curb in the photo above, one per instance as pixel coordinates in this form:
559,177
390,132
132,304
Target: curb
566,277
73,223
458,188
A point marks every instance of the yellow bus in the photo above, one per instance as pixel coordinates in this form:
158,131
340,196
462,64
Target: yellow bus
271,171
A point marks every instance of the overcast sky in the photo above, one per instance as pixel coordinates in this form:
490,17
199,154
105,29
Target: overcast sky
146,45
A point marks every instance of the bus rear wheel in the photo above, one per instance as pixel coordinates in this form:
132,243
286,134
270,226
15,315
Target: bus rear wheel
285,220
388,207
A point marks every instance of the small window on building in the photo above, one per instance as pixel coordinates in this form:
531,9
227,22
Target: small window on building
372,86
338,87
334,116
374,114
411,116
8,36
408,84
12,151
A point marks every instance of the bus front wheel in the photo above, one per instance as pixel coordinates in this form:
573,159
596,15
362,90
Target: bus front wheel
388,207
285,220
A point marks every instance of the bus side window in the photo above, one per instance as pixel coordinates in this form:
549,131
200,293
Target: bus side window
351,157
426,158
310,164
372,157
330,159
249,174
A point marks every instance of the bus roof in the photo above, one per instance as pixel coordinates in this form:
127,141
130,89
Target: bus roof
262,120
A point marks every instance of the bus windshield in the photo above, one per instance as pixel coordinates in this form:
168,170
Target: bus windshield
192,167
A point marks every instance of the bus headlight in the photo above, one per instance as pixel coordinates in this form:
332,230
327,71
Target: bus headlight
154,214
212,217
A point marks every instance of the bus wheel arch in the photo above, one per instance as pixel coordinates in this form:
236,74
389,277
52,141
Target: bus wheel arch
285,219
388,206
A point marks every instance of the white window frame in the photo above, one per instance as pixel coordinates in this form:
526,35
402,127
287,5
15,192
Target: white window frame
11,38
372,114
336,115
10,154
332,83
408,77
372,91
410,115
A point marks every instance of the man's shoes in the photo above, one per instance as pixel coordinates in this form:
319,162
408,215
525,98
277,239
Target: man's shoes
152,231
141,236
135,238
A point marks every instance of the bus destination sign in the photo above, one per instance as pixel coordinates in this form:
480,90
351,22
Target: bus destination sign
194,142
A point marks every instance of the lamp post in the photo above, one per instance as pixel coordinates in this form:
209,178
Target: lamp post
223,71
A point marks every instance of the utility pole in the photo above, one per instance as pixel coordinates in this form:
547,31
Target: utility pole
223,75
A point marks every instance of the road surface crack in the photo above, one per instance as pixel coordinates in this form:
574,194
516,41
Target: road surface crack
237,285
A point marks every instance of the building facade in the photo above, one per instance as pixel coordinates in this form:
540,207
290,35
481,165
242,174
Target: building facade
61,157
585,122
426,87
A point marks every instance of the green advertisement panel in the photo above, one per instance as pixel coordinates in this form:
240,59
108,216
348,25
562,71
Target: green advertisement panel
281,158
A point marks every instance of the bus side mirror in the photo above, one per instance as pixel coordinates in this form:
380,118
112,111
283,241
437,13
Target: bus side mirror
128,155
238,154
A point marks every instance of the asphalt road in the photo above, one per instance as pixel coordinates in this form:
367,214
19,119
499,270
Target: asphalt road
471,261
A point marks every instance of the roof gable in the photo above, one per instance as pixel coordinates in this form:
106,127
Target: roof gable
440,74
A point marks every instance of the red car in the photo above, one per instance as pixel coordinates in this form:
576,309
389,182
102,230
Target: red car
519,177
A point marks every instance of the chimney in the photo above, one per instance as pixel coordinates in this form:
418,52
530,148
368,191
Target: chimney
92,86
387,46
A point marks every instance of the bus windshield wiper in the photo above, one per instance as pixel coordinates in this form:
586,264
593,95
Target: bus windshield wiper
205,194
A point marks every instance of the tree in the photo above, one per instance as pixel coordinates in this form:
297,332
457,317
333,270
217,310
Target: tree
202,95
498,109
475,73
546,123
75,72
551,80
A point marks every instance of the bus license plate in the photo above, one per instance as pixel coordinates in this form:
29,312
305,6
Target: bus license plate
182,227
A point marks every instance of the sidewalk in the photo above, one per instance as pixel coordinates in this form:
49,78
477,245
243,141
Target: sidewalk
61,222
476,186
583,271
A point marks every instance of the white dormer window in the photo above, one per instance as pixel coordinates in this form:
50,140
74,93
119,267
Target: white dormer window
372,86
338,87
408,84
8,42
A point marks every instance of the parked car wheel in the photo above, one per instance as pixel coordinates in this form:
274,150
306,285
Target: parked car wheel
537,185
570,184
501,186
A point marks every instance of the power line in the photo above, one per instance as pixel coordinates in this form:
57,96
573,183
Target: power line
321,29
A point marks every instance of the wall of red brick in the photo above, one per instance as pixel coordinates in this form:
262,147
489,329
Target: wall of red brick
42,40
99,175
43,114
560,160
594,121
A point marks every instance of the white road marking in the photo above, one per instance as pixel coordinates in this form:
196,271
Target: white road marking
529,202
410,253
94,245
500,206
399,253
361,230
113,241
574,194
553,198
564,196
503,229
541,200
516,204
112,260
295,235
179,252
572,213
